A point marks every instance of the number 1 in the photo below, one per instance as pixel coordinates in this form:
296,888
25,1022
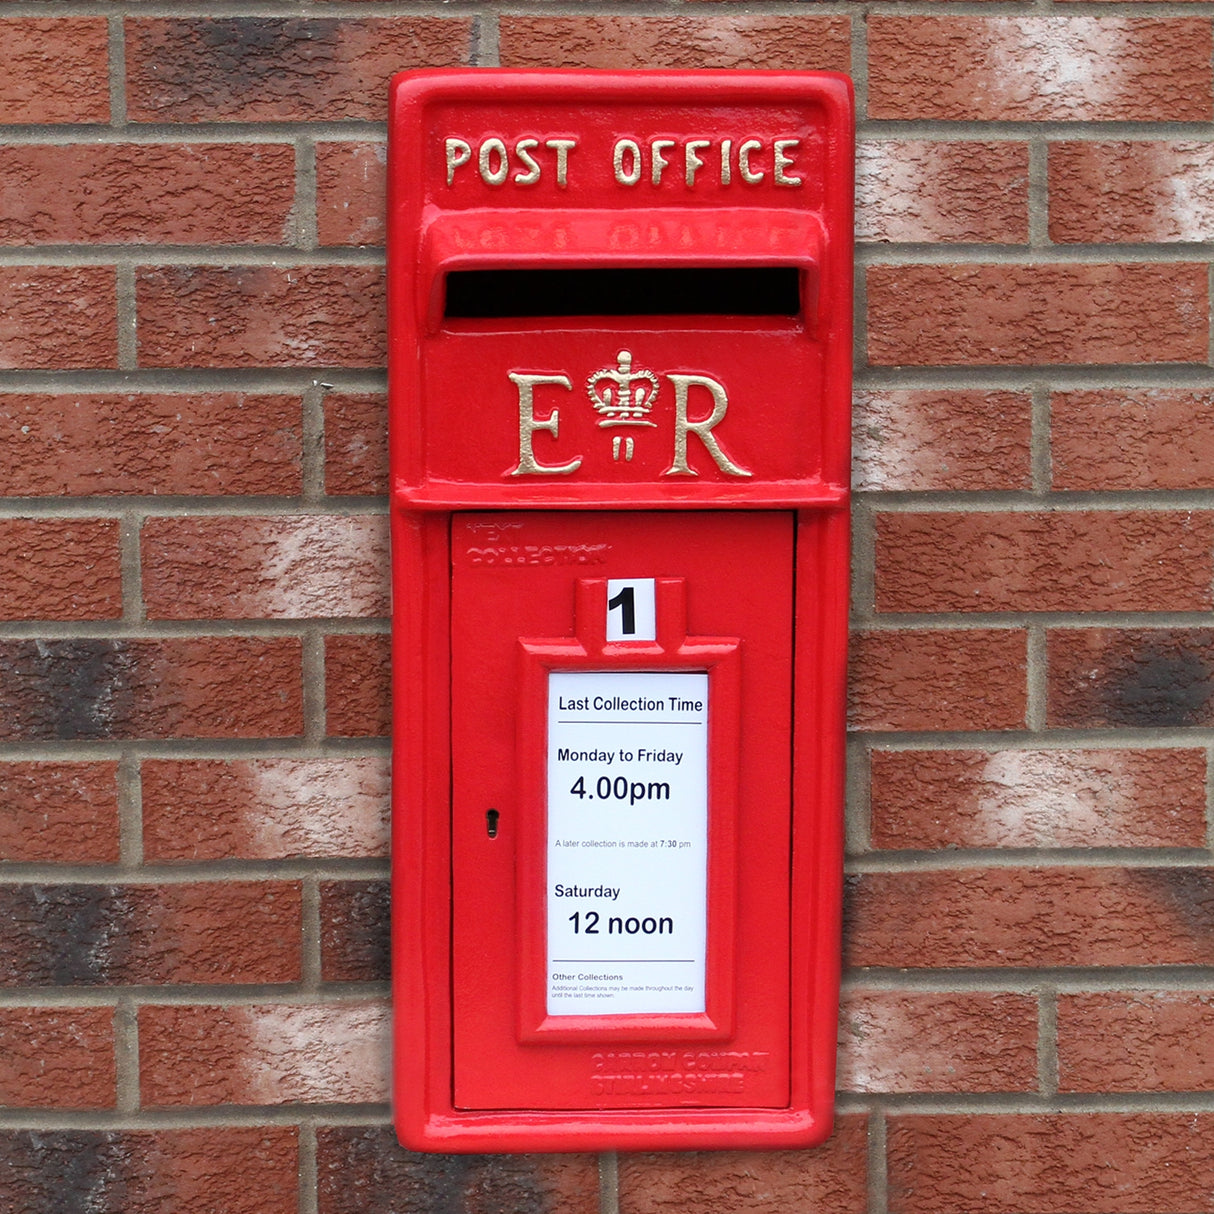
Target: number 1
626,602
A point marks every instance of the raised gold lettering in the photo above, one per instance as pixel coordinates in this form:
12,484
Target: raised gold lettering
691,159
522,150
656,148
784,161
749,175
632,174
528,425
458,152
489,175
562,148
701,429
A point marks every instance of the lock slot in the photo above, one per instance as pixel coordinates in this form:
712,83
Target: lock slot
622,291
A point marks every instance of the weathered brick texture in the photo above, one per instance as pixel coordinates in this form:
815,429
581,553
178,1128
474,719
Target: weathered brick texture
360,1168
972,679
1014,314
188,687
1109,1163
1109,192
59,569
920,440
831,1178
1032,917
200,1170
59,812
58,317
1061,69
57,1058
909,191
264,1054
724,40
354,944
204,443
89,935
1134,677
891,1041
351,179
357,679
283,567
1132,439
356,443
931,799
264,809
147,194
267,69
261,316
43,54
1112,561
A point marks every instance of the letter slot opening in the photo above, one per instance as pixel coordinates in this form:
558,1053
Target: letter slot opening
726,291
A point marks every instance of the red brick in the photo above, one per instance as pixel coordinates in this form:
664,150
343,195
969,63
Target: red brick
200,1170
100,935
356,443
61,1058
60,569
358,701
284,566
147,193
264,809
59,813
1136,1041
831,1177
261,316
362,1170
910,190
177,687
992,314
1031,917
351,183
907,439
1148,438
918,1041
55,69
741,40
329,1053
1131,676
58,317
1147,560
354,919
1039,68
972,679
1158,191
274,69
1051,1163
931,799
198,444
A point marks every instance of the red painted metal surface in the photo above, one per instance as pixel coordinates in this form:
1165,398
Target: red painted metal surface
620,314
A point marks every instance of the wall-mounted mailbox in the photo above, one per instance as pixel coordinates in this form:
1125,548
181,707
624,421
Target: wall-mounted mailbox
620,311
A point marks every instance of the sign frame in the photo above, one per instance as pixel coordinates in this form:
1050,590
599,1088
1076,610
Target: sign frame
673,650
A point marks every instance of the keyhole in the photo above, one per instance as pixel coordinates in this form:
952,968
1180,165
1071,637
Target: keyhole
491,817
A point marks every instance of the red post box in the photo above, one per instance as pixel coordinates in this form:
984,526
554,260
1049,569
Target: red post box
620,310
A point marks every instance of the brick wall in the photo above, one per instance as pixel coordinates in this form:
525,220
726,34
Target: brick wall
193,691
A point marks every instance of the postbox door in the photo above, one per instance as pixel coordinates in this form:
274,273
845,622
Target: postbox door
621,808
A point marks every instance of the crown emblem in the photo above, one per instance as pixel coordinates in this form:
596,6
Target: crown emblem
623,396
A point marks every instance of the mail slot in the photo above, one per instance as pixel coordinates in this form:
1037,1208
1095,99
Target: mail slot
620,318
